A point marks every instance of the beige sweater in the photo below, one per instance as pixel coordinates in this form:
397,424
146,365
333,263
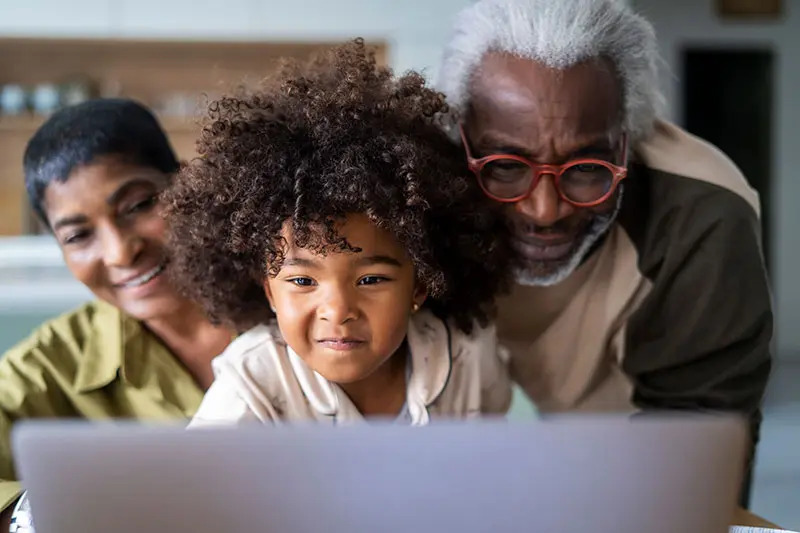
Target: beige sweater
671,311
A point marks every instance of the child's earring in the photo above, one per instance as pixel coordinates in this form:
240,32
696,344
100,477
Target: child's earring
415,307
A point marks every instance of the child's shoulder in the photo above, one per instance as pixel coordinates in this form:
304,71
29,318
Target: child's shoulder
427,325
260,345
462,374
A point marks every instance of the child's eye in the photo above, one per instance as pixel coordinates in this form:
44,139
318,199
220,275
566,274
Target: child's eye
302,281
372,280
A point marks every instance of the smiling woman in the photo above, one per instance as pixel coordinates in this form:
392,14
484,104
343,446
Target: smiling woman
106,220
94,173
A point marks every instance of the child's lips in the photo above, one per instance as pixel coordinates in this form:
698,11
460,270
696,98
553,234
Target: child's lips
342,344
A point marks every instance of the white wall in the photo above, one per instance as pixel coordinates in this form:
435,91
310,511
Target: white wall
415,29
694,22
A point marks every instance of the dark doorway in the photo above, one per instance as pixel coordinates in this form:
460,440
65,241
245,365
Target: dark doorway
728,101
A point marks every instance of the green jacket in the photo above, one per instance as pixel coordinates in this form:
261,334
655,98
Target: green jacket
93,363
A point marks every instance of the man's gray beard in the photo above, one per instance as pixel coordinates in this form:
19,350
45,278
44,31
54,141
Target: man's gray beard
597,228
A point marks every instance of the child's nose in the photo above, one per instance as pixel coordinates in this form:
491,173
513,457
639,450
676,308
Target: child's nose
338,306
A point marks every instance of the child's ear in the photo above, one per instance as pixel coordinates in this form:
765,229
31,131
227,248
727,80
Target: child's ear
268,293
419,297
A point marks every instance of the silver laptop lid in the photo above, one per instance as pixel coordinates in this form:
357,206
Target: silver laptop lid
570,475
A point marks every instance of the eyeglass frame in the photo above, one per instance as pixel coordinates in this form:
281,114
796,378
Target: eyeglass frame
538,169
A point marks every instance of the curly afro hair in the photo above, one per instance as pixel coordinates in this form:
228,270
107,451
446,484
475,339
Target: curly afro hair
318,141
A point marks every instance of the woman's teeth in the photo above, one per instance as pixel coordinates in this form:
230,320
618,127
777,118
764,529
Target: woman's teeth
144,278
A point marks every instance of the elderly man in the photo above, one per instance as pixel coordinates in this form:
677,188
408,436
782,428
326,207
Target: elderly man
643,285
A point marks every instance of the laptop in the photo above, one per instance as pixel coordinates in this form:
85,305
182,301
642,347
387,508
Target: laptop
603,474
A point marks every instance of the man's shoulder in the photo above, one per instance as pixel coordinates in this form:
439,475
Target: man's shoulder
683,191
679,161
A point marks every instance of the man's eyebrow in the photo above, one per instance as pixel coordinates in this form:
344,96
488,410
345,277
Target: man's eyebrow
510,150
490,144
493,143
598,147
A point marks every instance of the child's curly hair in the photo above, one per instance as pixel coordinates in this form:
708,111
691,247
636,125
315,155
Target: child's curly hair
316,142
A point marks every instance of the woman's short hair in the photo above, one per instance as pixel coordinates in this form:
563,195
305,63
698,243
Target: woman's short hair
79,134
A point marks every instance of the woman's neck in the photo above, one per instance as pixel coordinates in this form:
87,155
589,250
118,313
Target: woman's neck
192,339
383,392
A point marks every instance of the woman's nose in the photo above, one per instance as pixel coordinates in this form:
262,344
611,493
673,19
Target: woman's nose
121,248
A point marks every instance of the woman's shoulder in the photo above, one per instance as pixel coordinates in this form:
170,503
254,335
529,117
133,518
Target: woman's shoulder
68,335
65,351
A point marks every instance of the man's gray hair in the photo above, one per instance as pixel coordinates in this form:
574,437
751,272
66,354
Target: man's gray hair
559,34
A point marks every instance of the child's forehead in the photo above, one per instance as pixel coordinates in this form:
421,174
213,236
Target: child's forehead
360,235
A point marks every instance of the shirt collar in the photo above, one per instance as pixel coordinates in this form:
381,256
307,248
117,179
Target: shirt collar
104,352
431,362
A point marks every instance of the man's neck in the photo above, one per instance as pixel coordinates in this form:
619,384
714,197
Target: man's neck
528,310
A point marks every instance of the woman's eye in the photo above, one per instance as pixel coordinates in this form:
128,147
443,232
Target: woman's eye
302,282
76,237
144,205
371,280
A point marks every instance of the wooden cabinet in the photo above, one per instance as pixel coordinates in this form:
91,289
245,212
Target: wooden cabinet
14,212
172,77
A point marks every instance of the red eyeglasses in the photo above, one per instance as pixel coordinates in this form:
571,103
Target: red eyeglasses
581,182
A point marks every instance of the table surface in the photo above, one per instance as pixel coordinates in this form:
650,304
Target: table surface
746,518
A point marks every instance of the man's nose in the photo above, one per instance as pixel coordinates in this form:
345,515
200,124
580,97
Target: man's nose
544,206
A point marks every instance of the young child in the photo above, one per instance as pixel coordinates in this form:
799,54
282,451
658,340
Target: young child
331,215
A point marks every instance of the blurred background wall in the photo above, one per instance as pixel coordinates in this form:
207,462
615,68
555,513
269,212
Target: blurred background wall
752,68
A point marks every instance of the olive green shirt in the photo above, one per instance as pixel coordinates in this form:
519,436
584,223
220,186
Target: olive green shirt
93,363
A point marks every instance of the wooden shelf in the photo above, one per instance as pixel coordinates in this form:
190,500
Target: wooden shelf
21,123
30,123
151,72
